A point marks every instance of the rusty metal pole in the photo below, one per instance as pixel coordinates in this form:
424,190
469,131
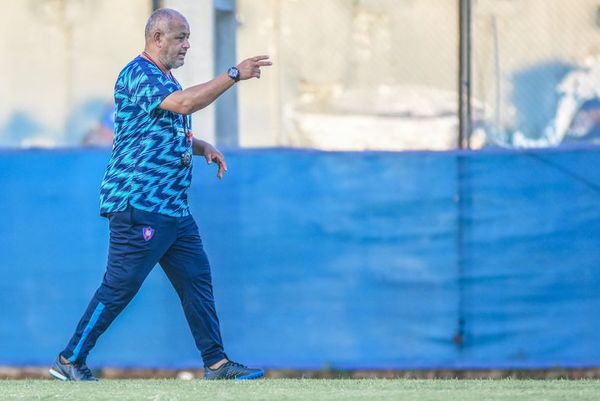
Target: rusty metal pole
463,189
464,114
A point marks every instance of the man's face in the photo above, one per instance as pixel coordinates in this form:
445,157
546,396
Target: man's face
175,43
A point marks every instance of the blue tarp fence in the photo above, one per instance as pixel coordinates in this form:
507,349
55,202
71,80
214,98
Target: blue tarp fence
343,260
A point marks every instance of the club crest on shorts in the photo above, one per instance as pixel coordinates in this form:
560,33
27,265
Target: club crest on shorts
148,233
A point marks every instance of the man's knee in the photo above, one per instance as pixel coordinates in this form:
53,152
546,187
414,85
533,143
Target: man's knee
116,297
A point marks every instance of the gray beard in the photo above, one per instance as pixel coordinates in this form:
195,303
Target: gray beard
171,65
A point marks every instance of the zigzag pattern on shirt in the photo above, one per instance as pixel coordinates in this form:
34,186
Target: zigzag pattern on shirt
145,168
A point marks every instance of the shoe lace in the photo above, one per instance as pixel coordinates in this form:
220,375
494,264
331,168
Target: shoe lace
237,365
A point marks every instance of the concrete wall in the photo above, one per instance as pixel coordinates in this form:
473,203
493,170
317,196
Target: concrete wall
383,67
323,50
522,50
61,59
260,100
199,63
373,74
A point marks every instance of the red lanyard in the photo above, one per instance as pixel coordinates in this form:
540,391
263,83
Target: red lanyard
154,62
170,76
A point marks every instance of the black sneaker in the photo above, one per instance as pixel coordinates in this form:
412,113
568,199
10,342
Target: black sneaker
233,371
71,371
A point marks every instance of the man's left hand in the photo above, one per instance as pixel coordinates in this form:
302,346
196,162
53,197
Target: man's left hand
211,154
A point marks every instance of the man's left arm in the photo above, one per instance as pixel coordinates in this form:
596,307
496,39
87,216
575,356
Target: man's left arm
211,154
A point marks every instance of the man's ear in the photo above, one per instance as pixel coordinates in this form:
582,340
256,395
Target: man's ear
156,38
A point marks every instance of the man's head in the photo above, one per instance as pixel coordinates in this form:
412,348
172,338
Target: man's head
167,34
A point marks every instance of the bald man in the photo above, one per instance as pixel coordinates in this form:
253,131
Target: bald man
144,195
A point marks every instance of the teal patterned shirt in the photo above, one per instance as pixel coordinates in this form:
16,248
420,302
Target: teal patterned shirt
146,169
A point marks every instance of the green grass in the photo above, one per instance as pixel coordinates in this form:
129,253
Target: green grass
303,389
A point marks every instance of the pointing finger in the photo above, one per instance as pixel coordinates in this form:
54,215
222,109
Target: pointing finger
221,171
220,160
263,63
259,58
222,163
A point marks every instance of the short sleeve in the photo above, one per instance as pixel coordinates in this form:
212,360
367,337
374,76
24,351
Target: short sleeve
149,87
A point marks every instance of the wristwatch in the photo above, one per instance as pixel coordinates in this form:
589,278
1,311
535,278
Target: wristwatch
234,73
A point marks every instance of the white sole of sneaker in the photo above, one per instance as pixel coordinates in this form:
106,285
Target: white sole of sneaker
58,375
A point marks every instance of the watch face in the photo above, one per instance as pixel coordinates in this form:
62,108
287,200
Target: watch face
233,73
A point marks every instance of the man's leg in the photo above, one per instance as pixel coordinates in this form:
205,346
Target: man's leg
188,269
186,265
137,242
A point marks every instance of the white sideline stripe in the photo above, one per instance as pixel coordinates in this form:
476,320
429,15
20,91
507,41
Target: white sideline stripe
57,375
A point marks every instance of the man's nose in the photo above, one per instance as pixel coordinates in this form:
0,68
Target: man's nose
186,44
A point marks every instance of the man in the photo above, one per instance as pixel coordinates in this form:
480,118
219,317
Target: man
144,194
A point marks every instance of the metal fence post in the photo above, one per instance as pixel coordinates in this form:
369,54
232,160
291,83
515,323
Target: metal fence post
464,116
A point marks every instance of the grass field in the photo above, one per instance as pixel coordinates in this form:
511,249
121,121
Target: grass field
303,389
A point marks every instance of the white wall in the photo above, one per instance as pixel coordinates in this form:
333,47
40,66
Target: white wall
322,48
58,54
199,65
61,55
363,64
259,100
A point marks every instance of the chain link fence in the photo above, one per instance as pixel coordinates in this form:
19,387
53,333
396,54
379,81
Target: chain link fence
361,74
536,68
383,74
348,74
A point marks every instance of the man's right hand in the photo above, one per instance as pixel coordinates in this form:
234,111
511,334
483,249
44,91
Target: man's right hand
250,68
198,97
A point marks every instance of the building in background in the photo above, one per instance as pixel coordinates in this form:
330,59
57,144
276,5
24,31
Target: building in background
383,74
352,75
59,82
347,75
63,66
524,52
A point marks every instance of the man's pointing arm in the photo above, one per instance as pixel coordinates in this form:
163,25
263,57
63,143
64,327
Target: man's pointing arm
197,97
